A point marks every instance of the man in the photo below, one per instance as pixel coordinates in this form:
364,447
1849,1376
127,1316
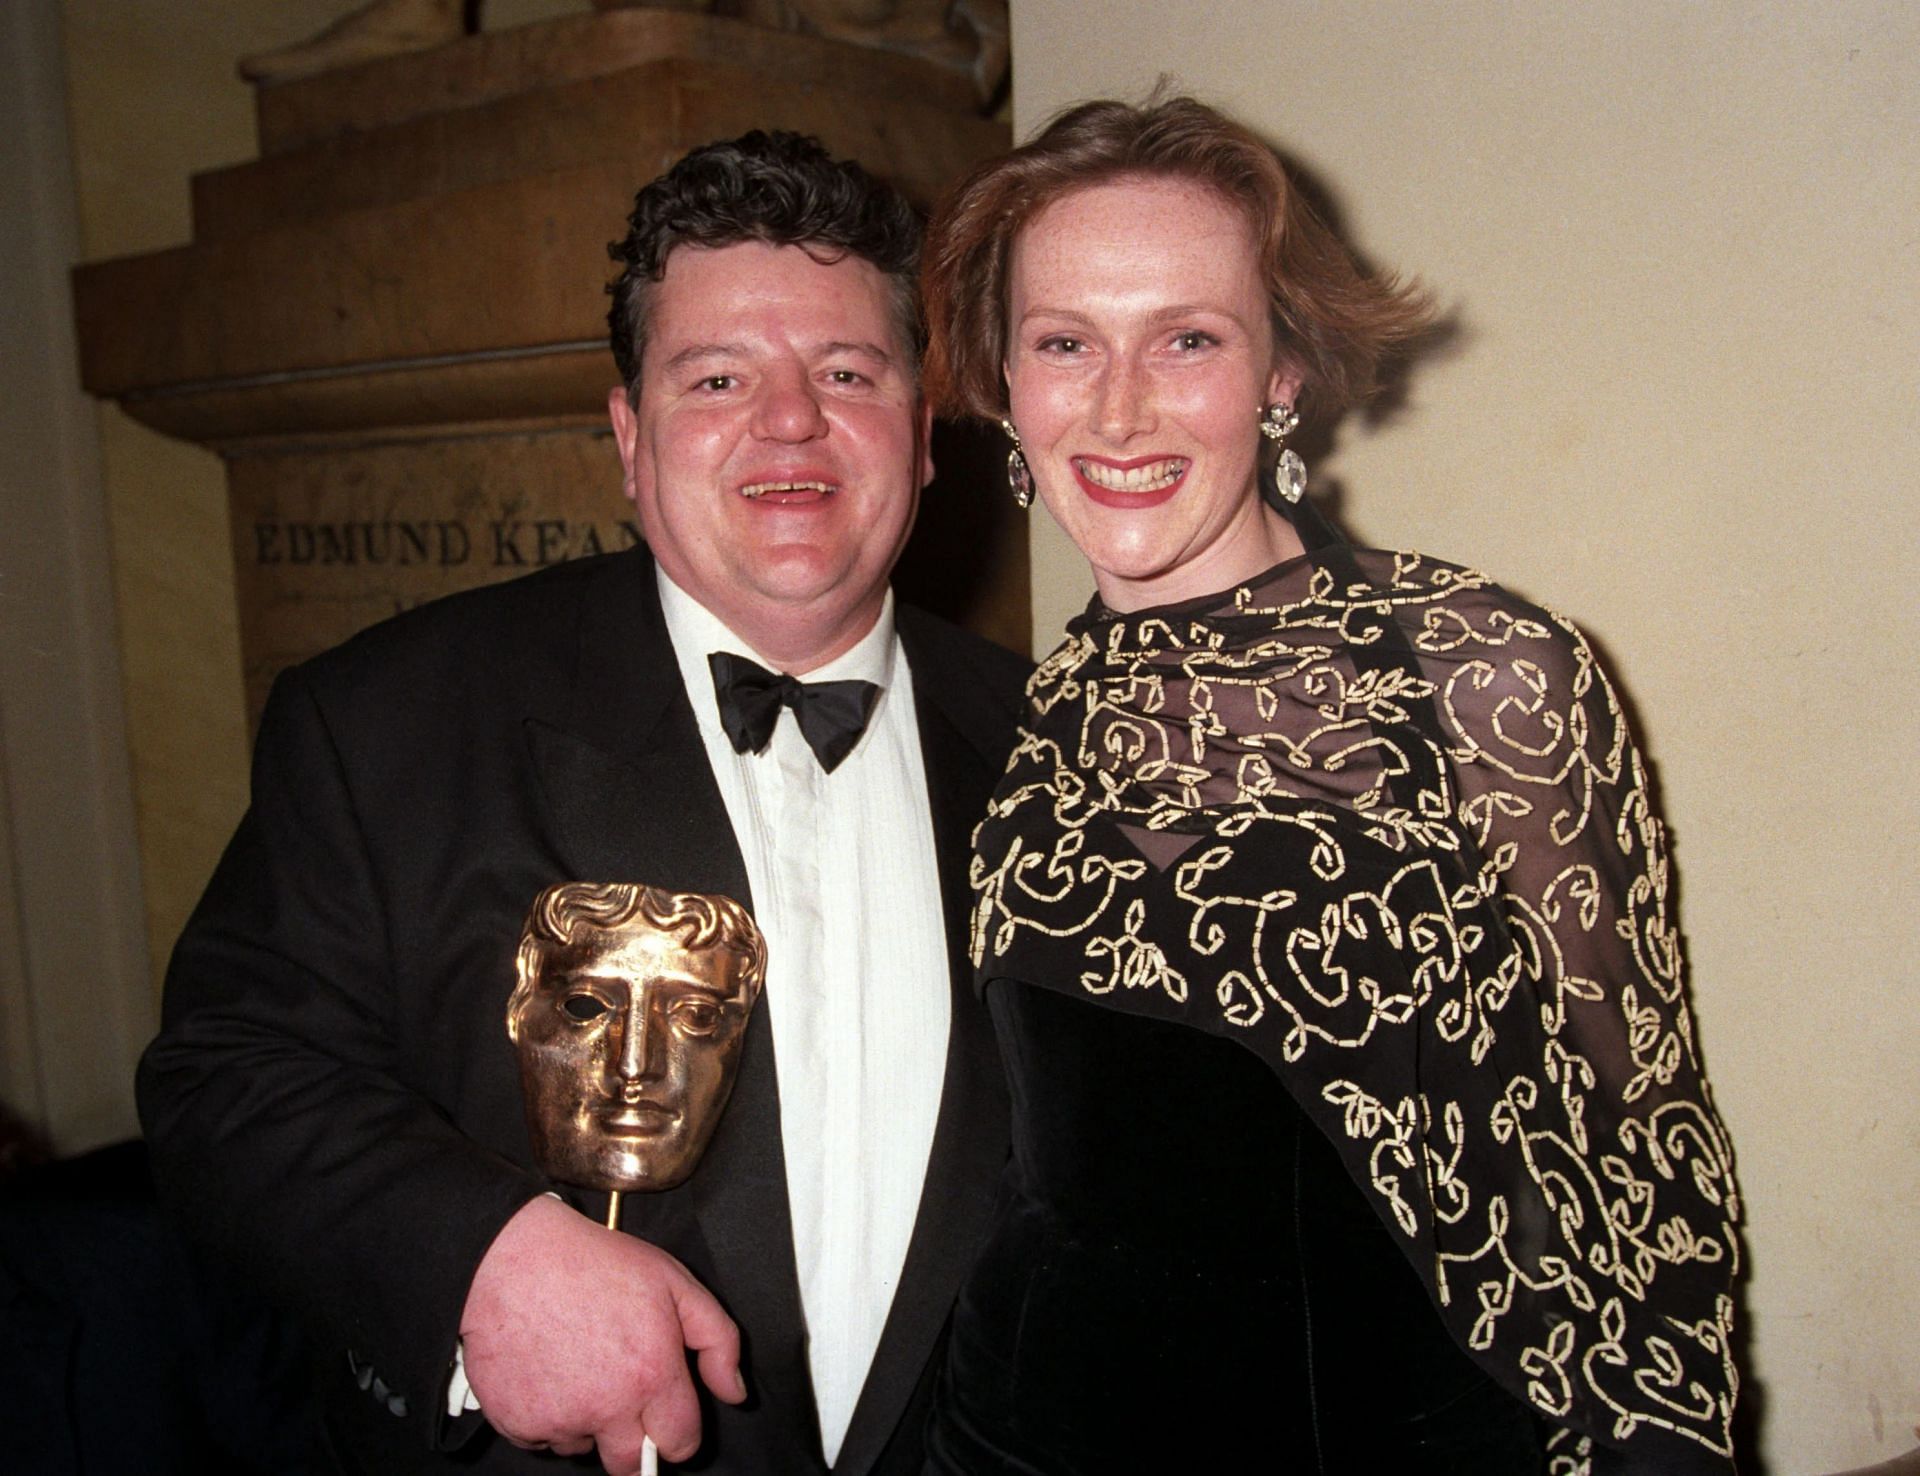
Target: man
333,1099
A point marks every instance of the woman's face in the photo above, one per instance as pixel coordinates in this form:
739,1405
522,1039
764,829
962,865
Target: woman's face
1139,358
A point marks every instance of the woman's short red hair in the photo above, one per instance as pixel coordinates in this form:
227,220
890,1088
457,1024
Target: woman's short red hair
1333,320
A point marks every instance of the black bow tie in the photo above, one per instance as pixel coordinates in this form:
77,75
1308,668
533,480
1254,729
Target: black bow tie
832,715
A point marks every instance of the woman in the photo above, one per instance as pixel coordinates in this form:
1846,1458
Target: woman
1321,910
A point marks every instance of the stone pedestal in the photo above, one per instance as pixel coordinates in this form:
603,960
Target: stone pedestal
391,325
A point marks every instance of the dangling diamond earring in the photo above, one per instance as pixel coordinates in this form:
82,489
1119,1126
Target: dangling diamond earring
1277,422
1019,474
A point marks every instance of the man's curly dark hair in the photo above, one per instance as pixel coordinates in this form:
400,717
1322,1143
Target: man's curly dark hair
781,188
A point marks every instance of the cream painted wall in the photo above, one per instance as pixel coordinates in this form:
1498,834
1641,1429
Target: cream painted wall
1683,243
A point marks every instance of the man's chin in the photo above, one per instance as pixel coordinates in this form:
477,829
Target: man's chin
796,591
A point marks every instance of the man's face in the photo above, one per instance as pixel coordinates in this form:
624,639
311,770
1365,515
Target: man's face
779,445
628,1044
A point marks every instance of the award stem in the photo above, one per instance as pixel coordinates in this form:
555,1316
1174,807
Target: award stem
649,1452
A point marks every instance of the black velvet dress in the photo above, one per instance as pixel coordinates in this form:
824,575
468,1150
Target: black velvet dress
1357,1119
1185,1279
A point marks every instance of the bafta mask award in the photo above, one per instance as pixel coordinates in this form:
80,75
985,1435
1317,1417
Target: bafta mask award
628,1017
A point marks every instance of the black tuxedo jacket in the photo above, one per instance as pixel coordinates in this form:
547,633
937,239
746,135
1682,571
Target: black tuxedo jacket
332,1100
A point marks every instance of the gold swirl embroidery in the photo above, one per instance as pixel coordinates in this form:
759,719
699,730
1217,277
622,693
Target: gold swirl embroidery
1339,816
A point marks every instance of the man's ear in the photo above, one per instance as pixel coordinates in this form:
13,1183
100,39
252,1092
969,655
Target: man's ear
626,435
926,442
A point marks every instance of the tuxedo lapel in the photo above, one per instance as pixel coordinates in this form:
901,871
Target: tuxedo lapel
621,765
627,783
971,1134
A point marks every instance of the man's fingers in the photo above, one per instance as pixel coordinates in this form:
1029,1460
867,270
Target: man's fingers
620,1446
672,1418
720,1372
567,1445
714,1337
552,1353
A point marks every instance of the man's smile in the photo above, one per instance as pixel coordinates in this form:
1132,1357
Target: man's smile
787,492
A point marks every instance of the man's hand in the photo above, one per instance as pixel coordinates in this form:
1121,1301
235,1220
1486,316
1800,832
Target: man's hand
575,1337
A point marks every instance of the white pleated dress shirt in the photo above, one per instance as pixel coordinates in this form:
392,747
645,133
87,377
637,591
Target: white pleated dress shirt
847,892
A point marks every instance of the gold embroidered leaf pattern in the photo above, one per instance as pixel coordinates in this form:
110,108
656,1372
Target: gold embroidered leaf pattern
1383,823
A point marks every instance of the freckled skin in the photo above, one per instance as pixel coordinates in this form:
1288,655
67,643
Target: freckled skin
1138,334
764,365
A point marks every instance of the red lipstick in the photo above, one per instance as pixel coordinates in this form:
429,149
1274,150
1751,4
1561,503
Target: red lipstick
1119,498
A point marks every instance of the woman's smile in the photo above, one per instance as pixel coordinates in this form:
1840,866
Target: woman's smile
1143,482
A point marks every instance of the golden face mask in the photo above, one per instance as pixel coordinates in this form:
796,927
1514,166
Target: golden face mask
629,1014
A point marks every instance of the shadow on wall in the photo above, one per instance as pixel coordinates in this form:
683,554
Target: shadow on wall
1446,339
